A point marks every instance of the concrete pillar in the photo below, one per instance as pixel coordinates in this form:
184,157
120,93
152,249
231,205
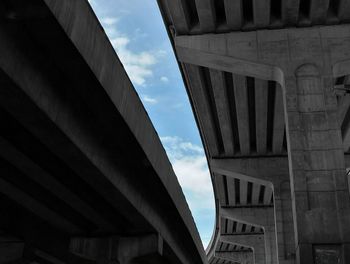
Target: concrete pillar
284,223
319,187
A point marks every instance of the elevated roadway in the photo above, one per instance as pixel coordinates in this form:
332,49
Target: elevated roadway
267,83
83,175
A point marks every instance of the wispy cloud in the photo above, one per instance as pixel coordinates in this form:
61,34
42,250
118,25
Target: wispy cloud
109,20
190,166
164,79
149,100
138,65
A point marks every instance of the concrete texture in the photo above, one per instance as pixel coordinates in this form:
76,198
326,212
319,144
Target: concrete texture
288,124
79,157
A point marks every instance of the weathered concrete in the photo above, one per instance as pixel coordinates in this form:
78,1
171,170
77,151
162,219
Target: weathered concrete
239,257
255,242
124,250
79,156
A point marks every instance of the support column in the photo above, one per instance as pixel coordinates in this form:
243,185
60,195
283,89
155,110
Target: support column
319,188
284,223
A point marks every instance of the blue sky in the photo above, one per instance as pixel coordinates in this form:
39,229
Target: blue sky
136,31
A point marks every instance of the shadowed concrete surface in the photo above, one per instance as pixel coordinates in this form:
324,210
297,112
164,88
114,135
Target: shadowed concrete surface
267,80
83,175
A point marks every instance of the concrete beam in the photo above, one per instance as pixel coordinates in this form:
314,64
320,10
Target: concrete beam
89,139
34,206
347,160
234,13
257,216
49,258
201,105
11,249
220,187
318,11
31,170
243,190
245,240
231,192
223,63
261,103
278,121
261,13
255,193
255,242
290,11
206,15
210,51
240,257
223,110
264,171
343,107
180,16
241,101
344,10
117,248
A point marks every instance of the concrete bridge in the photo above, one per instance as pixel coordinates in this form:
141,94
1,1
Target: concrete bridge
83,175
268,83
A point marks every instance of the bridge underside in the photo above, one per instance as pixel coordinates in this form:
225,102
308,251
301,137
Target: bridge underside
267,82
83,175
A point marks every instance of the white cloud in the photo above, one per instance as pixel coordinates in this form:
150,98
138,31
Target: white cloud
149,100
109,21
190,166
164,79
138,65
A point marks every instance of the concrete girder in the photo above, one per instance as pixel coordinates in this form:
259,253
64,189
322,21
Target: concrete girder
246,53
255,242
278,121
257,216
269,171
239,257
37,208
343,104
290,11
246,240
241,101
261,18
206,15
123,249
234,13
344,9
318,11
180,16
274,174
31,170
201,104
11,249
44,106
222,108
261,93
